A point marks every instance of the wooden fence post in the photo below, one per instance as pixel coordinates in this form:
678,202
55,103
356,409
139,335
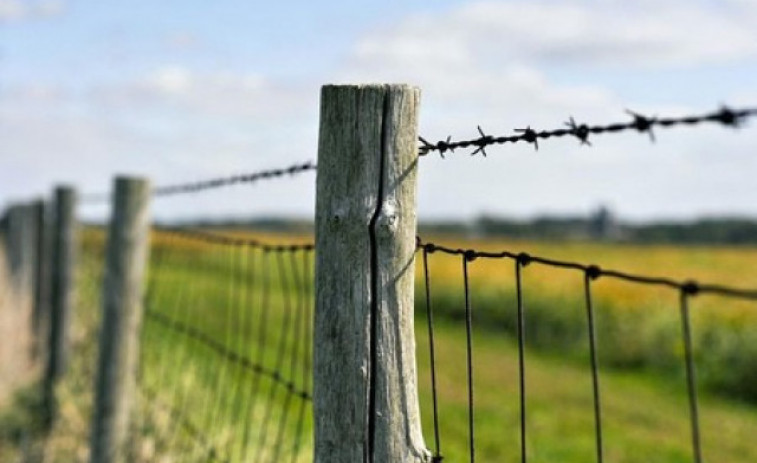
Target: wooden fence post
63,254
41,311
20,251
123,292
365,387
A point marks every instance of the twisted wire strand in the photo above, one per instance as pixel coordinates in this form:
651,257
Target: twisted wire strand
643,124
212,183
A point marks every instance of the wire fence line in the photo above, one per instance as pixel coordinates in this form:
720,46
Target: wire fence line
591,274
213,183
644,124
226,347
233,358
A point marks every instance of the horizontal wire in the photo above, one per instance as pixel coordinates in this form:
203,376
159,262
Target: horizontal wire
643,124
227,240
690,287
226,353
213,183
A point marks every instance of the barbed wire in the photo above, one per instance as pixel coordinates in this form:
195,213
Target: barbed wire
213,183
643,124
689,287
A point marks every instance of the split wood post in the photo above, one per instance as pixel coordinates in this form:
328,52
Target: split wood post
365,386
64,240
123,292
41,312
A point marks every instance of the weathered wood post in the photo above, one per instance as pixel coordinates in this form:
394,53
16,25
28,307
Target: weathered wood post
20,251
365,387
41,312
123,292
64,239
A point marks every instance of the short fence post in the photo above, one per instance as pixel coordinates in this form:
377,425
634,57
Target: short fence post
20,251
41,311
63,254
365,386
123,292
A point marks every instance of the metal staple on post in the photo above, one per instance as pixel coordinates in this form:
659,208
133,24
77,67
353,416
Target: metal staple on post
123,292
365,391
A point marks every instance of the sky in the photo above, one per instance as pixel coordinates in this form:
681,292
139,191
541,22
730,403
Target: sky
180,90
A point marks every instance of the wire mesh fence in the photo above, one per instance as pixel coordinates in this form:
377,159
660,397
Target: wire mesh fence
526,356
226,348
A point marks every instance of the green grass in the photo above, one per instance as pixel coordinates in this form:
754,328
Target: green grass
220,293
645,416
638,326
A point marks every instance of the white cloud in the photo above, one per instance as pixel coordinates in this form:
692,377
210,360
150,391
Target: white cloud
173,88
171,125
19,10
503,65
629,34
483,63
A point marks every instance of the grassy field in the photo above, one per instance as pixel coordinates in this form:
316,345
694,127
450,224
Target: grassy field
198,402
638,326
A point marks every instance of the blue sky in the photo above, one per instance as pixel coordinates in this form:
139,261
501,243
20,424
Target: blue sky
181,90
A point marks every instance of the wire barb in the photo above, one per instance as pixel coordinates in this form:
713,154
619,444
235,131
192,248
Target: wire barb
643,124
580,131
726,116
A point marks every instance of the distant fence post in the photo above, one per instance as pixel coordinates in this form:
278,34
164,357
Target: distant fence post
123,292
41,309
20,251
63,254
365,387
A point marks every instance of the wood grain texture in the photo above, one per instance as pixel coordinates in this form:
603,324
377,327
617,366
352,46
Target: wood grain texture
367,156
123,293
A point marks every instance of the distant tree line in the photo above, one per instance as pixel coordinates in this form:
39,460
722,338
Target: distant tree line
601,225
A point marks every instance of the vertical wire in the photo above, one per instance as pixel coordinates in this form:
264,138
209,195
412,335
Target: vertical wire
191,265
237,400
297,333
160,394
289,390
250,403
261,336
690,376
228,262
432,355
173,301
594,365
306,354
147,303
469,351
204,450
521,359
276,379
